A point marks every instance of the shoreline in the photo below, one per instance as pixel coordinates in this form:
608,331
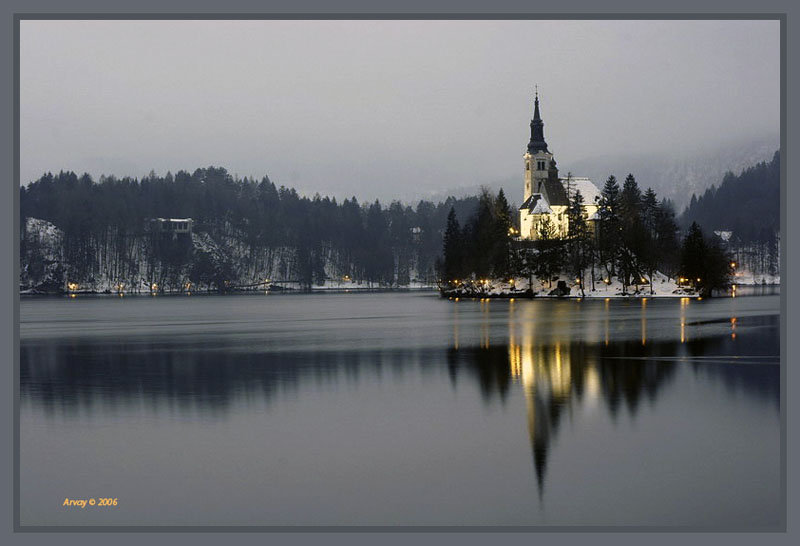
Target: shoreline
229,292
444,294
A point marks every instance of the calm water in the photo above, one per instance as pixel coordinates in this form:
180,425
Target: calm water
400,409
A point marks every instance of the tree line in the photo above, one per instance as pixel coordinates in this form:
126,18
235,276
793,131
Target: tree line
748,206
105,222
633,236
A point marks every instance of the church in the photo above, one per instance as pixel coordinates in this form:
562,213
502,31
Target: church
546,194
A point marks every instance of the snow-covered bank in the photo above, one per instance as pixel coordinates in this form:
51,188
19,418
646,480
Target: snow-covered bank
748,278
138,263
663,287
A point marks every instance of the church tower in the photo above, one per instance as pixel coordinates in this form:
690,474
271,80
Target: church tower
539,162
546,195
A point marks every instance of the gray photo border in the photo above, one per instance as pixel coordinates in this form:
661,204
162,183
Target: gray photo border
210,9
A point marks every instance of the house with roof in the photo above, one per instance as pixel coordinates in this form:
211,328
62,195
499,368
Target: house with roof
546,194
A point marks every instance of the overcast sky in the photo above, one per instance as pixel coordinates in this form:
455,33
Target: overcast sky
384,108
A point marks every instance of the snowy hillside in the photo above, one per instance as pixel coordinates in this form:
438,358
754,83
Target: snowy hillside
140,264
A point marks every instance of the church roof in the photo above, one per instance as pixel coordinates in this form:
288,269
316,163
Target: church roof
588,190
556,193
536,204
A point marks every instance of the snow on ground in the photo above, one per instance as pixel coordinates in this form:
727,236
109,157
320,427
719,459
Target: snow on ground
354,286
748,277
663,287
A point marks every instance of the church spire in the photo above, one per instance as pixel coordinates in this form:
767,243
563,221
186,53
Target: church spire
537,143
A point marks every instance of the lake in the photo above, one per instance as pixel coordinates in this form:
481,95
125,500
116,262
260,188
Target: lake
400,409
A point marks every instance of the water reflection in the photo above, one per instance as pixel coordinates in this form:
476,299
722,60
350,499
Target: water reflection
555,371
556,377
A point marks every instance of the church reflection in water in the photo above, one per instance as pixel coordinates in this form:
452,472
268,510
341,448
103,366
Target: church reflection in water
557,374
558,369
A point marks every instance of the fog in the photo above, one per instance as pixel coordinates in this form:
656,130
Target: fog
385,109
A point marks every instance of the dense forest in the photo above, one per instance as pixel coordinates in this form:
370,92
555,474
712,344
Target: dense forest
634,236
747,208
96,234
247,233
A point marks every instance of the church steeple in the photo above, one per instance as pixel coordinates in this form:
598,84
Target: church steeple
537,143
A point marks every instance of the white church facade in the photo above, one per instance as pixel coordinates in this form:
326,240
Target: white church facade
546,194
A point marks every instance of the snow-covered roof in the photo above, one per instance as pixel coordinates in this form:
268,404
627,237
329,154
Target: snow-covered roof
541,207
530,201
536,204
587,188
174,219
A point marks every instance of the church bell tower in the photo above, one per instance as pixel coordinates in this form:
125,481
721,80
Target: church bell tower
538,159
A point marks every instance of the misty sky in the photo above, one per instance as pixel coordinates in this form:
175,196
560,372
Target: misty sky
384,109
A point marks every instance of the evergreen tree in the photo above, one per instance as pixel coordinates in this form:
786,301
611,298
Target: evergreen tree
703,262
693,254
501,268
453,248
549,259
648,248
667,245
380,267
633,236
609,225
482,233
579,239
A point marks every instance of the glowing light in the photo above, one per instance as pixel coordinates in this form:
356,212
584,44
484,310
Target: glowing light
72,286
154,286
733,264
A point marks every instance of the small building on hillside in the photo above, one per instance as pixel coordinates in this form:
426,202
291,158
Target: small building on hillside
174,226
547,195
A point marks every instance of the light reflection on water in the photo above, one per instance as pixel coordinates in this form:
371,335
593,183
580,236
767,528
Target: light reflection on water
597,384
